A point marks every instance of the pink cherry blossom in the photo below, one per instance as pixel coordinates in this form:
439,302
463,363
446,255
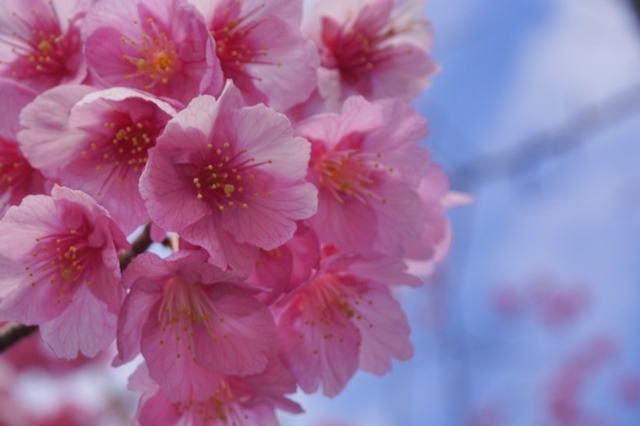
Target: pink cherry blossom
229,178
241,401
17,177
262,49
375,48
162,47
192,323
341,321
40,41
367,165
61,270
97,142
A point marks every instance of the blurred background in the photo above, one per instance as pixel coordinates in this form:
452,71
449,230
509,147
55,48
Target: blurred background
534,318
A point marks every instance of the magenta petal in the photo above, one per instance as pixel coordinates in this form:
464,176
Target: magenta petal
350,226
172,363
166,195
157,410
13,98
23,303
47,140
86,326
270,222
316,346
385,331
243,338
135,310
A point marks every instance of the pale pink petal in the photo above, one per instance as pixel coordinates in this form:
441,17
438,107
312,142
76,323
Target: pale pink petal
385,331
350,226
154,409
23,303
167,196
316,347
377,268
269,222
394,230
48,141
135,310
13,98
173,363
86,326
243,340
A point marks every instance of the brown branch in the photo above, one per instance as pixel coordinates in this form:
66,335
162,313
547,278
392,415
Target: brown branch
533,151
10,334
139,246
635,8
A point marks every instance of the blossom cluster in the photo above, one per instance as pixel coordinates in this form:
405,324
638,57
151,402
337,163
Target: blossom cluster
279,158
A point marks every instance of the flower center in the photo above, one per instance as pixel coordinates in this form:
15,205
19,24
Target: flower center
45,50
222,407
125,151
358,48
331,303
350,175
156,61
221,181
61,260
230,31
184,306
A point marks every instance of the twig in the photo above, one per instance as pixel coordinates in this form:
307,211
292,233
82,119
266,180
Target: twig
635,6
139,246
534,150
11,333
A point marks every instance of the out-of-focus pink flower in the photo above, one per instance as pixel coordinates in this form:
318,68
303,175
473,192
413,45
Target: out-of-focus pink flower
262,49
374,48
241,401
229,178
556,306
97,142
61,270
282,269
565,406
162,47
367,165
192,323
506,300
40,42
628,389
68,414
343,320
17,177
487,415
